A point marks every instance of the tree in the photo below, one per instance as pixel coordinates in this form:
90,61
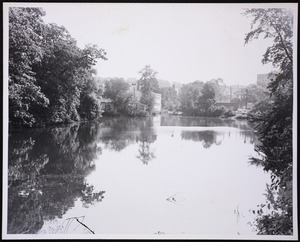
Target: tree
148,84
275,123
207,99
48,72
64,72
188,97
25,49
198,98
220,88
117,90
253,94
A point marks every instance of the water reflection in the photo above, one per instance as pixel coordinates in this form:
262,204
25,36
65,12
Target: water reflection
46,174
145,139
184,121
118,133
51,170
207,137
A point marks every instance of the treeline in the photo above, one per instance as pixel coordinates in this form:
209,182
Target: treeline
274,119
199,99
138,100
51,79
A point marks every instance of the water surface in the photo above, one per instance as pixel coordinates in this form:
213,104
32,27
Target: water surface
160,176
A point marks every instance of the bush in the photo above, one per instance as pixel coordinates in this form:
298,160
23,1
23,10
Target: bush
229,113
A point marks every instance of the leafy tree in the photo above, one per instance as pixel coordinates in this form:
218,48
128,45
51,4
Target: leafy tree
118,91
90,97
275,123
188,97
207,100
148,84
25,49
64,72
198,98
219,88
253,94
48,72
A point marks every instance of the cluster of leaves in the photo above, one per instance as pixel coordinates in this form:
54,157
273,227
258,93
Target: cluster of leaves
51,80
274,117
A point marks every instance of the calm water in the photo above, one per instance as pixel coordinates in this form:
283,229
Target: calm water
160,176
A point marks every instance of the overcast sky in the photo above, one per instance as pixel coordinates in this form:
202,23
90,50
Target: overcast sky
182,42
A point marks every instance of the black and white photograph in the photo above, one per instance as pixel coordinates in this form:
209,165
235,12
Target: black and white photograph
150,121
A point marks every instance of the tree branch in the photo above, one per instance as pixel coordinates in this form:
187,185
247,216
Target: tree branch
281,39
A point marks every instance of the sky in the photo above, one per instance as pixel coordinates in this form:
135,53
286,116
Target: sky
182,42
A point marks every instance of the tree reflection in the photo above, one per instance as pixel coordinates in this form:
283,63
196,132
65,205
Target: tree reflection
146,137
46,174
118,133
186,121
145,152
207,137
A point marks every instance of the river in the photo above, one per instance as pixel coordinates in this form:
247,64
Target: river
163,176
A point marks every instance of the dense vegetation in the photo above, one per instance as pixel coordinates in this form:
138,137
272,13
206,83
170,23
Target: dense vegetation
51,80
199,98
274,118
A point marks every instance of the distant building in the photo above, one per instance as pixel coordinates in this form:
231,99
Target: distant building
264,79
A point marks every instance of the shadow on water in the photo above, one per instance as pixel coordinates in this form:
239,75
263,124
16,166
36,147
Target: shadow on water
46,174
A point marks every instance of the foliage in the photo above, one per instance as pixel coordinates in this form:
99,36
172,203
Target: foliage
51,80
199,99
226,113
219,88
25,49
117,90
147,85
132,110
274,115
172,105
253,94
189,95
